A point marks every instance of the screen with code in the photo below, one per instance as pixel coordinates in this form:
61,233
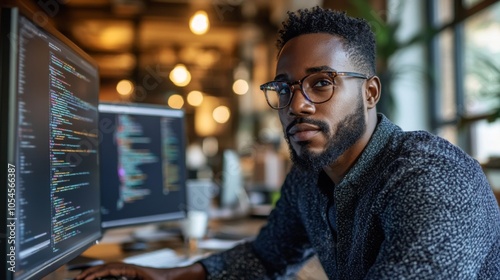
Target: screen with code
53,149
142,159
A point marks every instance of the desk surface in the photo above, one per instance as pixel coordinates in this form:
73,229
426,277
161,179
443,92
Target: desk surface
110,248
109,251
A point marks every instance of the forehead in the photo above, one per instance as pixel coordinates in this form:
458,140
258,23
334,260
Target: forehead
312,50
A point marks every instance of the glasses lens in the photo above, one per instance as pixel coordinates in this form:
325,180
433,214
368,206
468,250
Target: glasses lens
277,94
319,86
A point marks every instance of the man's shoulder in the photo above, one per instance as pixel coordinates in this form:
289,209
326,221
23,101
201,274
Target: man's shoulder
425,146
426,159
415,143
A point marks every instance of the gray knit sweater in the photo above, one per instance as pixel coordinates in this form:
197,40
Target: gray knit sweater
413,207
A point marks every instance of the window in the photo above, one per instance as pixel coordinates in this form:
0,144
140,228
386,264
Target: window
482,79
465,54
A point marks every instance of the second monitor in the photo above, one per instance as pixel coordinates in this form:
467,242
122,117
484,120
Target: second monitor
142,162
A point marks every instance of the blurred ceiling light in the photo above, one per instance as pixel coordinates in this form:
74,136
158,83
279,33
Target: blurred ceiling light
180,76
195,98
199,23
113,37
125,87
175,101
204,123
221,114
103,34
240,87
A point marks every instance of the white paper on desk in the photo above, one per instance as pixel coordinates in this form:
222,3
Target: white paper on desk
218,244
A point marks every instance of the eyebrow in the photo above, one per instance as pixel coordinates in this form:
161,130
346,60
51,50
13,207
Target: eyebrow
308,71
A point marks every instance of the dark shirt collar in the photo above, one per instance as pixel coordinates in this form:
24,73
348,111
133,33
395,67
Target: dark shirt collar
379,141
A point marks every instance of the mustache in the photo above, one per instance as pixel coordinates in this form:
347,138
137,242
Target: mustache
320,124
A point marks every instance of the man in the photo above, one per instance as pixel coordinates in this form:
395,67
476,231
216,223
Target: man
372,201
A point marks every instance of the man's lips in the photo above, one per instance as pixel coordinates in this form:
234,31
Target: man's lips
303,132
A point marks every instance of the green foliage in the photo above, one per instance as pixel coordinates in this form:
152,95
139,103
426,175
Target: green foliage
487,71
386,31
388,44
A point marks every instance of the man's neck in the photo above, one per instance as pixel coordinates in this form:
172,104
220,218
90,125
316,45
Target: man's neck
337,170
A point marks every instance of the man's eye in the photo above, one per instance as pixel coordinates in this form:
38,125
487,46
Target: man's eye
322,83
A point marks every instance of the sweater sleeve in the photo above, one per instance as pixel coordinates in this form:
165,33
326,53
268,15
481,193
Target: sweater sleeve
280,248
440,222
237,263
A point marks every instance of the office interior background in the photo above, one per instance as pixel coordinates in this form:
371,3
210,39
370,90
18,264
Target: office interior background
439,61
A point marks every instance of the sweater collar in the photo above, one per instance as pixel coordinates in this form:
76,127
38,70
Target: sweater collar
379,141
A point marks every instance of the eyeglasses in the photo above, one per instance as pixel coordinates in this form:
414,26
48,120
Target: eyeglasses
316,87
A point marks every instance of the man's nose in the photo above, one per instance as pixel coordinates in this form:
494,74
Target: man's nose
300,104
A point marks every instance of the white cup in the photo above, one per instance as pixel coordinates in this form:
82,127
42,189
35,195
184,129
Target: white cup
195,224
194,228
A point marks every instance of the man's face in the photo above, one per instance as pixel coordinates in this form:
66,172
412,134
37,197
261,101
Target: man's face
318,134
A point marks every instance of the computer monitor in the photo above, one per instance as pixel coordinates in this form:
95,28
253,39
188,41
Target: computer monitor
48,148
143,164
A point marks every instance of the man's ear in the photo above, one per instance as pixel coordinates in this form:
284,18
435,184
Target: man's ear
372,91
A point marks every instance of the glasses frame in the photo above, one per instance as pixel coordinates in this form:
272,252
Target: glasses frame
333,74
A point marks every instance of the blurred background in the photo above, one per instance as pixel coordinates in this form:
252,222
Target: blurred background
439,62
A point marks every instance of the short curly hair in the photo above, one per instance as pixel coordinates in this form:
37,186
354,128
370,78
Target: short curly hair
356,32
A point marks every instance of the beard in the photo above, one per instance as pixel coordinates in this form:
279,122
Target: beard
347,133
